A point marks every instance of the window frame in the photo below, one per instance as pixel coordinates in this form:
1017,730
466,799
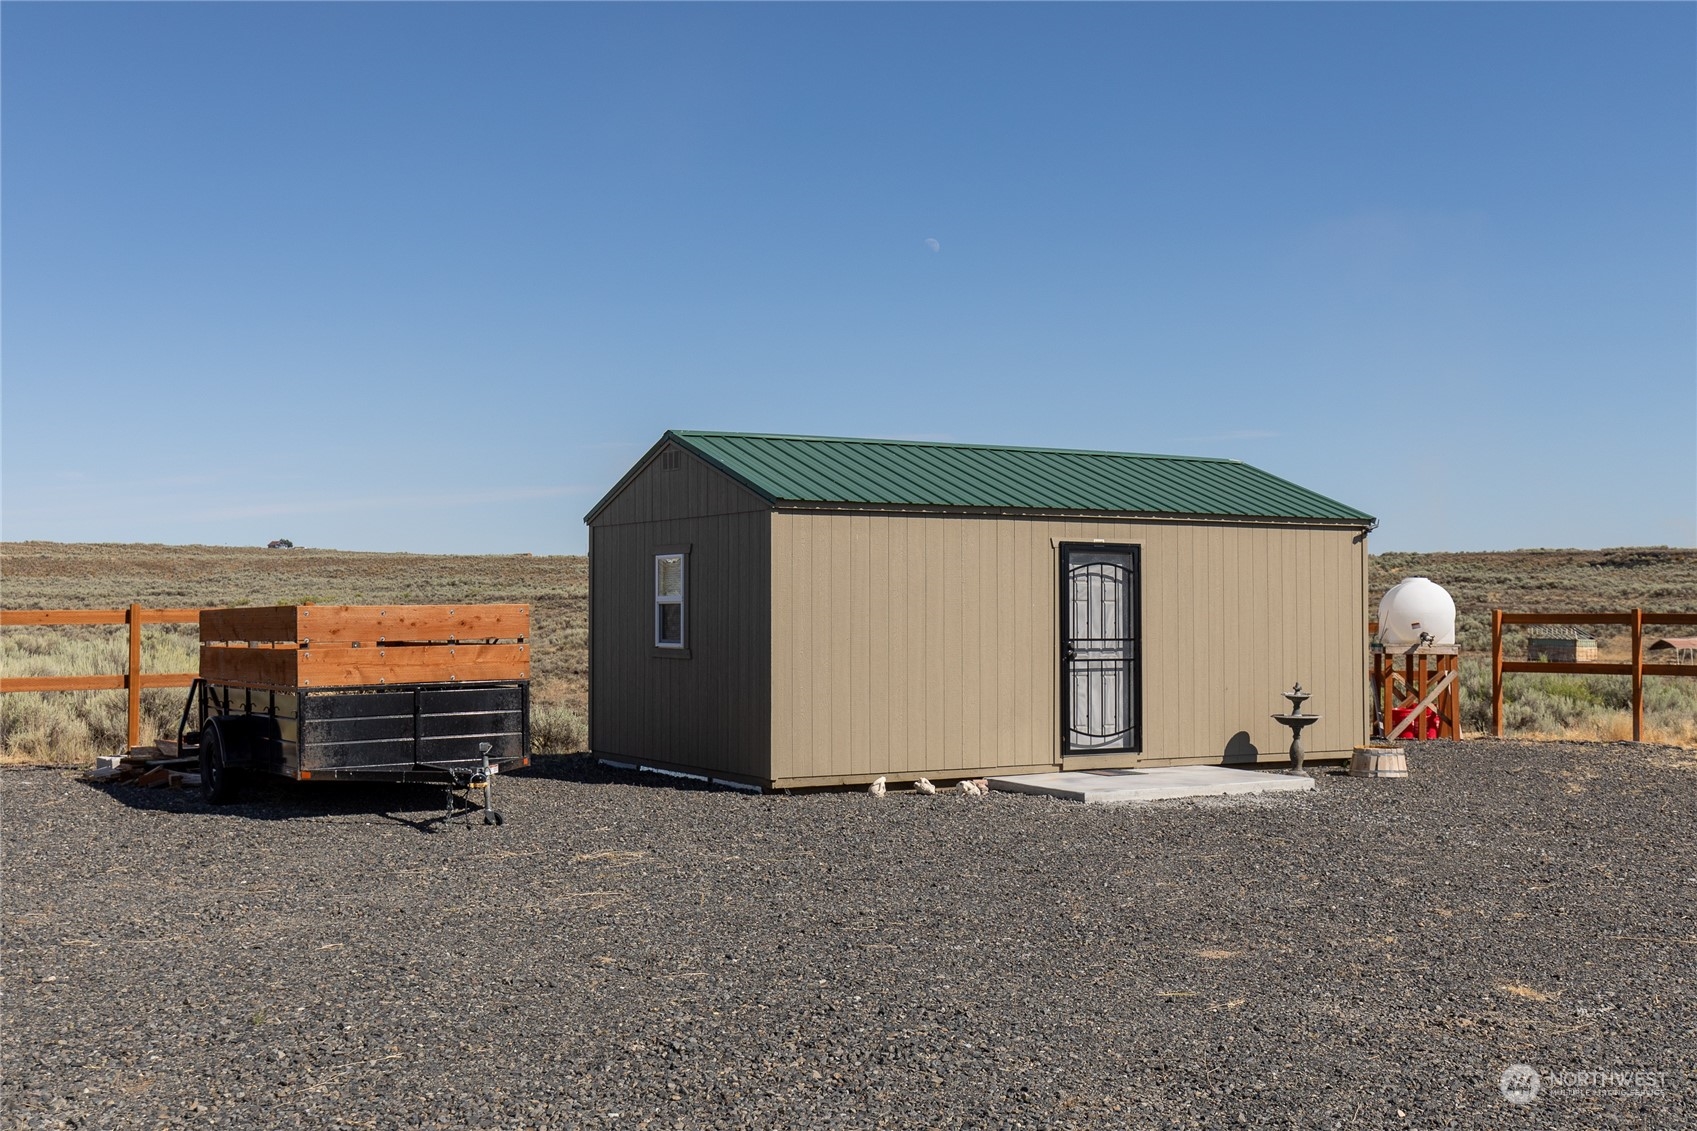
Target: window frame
681,600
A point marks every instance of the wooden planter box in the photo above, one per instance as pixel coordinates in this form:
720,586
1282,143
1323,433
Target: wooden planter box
292,646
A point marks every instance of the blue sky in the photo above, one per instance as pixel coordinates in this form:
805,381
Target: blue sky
430,277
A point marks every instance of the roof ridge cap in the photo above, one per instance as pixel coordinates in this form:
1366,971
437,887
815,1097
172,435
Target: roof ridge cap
682,432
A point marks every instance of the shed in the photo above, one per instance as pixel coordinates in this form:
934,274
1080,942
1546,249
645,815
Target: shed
1673,649
1560,644
806,611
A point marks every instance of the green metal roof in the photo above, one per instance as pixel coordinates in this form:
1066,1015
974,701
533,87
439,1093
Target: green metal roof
821,469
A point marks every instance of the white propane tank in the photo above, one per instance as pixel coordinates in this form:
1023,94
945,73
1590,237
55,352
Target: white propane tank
1413,606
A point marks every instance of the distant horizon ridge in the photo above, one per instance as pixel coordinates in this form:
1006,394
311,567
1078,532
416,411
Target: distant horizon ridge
5,543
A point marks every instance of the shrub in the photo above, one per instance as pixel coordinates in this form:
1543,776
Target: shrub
557,729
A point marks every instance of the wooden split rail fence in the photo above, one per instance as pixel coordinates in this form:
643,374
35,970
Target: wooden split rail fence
134,680
1637,668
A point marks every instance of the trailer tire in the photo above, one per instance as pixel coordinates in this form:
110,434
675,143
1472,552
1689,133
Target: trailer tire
217,779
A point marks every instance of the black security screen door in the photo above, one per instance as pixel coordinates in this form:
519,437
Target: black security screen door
1100,709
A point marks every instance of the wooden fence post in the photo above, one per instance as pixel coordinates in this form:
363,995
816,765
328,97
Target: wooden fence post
1638,675
1495,671
1387,685
133,680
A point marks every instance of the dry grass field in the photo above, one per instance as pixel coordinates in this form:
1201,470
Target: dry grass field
70,727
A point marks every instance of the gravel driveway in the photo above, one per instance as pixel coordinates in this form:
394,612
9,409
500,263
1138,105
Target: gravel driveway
628,953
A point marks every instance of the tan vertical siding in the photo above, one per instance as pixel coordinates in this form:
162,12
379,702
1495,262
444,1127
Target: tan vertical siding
859,612
1229,647
838,536
919,644
1004,630
878,630
931,727
898,606
970,746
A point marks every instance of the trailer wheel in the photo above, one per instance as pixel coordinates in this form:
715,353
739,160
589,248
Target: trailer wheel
217,780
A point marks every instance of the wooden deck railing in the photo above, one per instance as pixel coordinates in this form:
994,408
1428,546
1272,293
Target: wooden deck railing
1637,668
133,680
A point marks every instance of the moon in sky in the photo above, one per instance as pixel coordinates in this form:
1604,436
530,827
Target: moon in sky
933,245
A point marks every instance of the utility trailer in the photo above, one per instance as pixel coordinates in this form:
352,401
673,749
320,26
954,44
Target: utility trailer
394,693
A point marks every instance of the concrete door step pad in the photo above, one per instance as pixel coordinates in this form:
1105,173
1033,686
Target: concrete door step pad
1158,783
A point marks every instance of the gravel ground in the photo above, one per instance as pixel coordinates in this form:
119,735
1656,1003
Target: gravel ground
628,953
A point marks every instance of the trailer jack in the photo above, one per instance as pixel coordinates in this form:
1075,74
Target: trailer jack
465,783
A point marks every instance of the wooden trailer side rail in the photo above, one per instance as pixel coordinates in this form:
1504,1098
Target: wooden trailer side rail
367,624
343,665
282,646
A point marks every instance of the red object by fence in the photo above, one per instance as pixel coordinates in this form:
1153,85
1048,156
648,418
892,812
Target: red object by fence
1429,723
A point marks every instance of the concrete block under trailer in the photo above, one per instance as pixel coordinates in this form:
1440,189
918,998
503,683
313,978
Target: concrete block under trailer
357,693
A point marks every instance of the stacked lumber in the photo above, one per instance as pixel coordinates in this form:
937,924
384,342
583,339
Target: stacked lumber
284,647
150,767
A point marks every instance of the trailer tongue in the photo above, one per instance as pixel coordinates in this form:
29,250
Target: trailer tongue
408,693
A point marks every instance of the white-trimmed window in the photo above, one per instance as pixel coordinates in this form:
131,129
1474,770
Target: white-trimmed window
669,600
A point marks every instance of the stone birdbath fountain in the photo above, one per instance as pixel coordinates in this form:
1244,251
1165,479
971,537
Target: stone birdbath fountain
1295,719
